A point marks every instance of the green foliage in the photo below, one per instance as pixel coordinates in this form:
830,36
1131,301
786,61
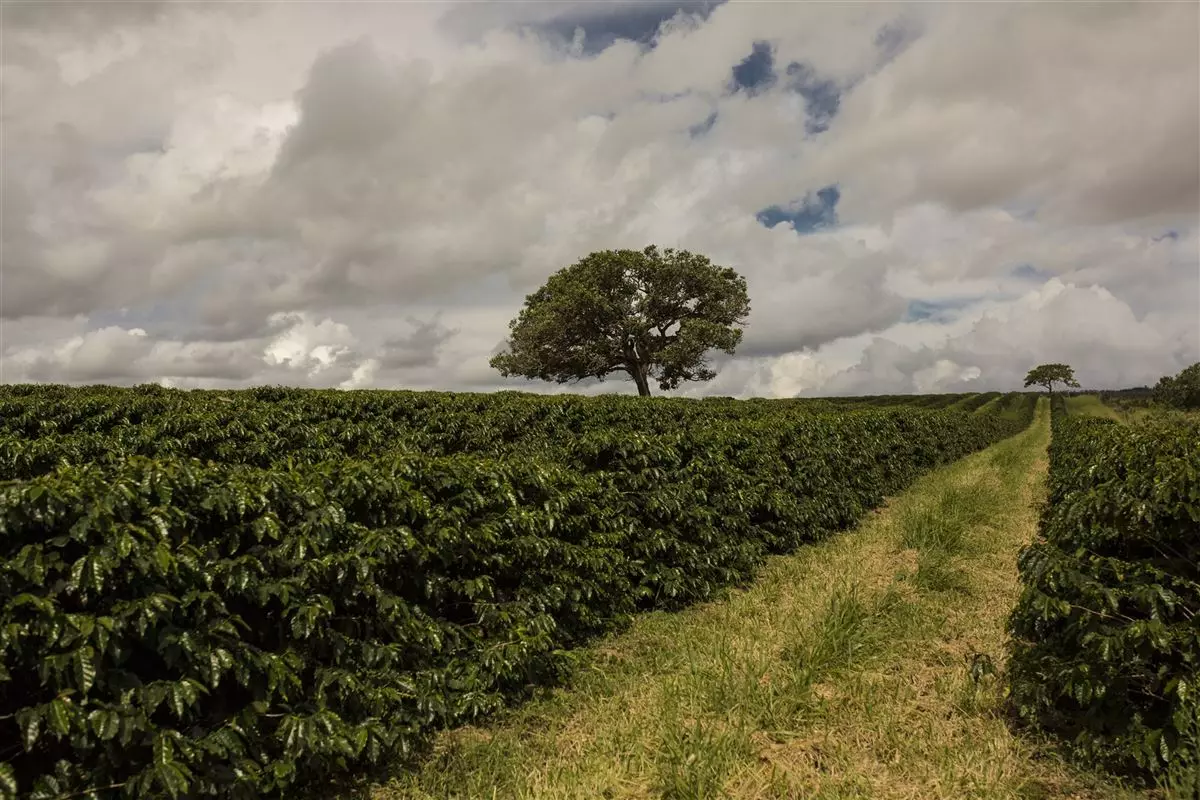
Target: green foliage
1181,391
1106,647
1182,779
1049,374
235,630
651,315
241,594
42,427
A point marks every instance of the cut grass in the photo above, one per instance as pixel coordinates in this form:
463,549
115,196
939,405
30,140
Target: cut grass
865,666
842,635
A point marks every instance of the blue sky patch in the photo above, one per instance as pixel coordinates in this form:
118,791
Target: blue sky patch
894,38
811,213
939,310
173,315
160,319
701,128
664,97
635,23
1025,211
1029,272
822,98
756,73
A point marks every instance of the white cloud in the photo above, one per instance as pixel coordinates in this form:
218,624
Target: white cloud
362,375
944,372
1085,326
305,345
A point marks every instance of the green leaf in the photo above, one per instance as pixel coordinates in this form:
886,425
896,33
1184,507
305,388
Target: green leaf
30,722
105,723
8,782
58,713
171,777
179,699
84,662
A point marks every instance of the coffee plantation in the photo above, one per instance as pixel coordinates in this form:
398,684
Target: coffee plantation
240,594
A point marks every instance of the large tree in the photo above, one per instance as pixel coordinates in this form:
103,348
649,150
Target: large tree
1049,374
1181,391
653,315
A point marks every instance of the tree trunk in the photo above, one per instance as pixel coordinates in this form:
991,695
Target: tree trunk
639,377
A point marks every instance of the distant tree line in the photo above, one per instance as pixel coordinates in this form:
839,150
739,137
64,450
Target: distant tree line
1180,391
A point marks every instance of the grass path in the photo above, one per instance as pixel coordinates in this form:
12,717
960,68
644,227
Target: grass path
858,668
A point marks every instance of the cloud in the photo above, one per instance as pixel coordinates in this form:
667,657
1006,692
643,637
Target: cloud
997,105
307,345
362,195
1085,326
127,355
419,348
80,17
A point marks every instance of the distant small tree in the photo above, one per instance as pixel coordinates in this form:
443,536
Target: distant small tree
651,314
1049,374
1181,391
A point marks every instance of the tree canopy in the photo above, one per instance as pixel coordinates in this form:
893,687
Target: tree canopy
1049,374
1181,391
651,314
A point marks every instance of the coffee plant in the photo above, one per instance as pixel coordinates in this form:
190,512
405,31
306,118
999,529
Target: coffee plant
1106,635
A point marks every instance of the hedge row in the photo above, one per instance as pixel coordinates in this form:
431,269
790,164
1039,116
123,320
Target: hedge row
175,627
42,427
1106,648
33,411
900,400
36,410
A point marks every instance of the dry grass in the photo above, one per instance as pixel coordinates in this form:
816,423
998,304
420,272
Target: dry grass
856,668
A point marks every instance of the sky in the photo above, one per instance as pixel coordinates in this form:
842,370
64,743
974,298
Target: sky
922,198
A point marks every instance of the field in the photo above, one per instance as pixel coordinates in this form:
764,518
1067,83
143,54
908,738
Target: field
416,594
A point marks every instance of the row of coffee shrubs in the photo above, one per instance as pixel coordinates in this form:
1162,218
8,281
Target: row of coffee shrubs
1106,635
178,627
44,426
